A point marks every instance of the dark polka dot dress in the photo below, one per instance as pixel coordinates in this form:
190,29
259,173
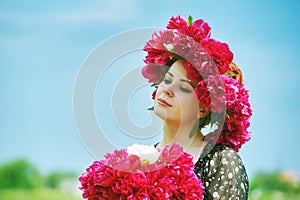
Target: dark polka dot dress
223,174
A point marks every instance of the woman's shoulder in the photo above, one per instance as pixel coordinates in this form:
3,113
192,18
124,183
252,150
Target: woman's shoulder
219,152
223,173
219,157
223,152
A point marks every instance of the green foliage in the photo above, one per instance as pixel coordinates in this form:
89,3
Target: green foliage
19,174
269,186
54,179
19,179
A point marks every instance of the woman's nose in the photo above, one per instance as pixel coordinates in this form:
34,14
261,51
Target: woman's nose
168,92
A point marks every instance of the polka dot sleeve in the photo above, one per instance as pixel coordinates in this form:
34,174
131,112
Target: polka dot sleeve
223,174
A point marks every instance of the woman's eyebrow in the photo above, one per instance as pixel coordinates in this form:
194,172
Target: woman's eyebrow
184,80
190,82
170,74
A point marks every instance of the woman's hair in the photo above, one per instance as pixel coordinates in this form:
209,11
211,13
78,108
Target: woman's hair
235,72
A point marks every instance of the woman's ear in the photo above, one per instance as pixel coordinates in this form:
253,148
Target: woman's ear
202,112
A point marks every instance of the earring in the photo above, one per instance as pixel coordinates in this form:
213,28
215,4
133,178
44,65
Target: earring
199,115
202,112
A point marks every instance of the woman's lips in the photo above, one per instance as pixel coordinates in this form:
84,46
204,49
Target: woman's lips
163,103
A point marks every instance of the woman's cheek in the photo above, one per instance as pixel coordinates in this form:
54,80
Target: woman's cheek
157,93
190,104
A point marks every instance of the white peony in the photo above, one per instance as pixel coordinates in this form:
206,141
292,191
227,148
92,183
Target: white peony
147,153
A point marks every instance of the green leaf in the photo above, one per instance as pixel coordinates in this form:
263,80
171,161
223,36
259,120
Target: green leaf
151,108
190,21
154,84
228,74
227,114
194,130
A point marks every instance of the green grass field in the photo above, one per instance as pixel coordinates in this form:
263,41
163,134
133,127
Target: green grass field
55,194
37,194
20,180
273,195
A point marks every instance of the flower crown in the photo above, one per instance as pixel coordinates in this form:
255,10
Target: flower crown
208,63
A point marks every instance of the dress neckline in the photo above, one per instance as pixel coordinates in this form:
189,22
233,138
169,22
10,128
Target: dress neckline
206,150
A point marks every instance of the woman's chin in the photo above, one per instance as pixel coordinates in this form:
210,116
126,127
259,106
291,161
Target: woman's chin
160,112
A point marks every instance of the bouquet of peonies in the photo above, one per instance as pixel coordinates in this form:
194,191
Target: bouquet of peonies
142,172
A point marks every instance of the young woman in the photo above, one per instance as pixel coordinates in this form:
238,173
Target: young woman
197,85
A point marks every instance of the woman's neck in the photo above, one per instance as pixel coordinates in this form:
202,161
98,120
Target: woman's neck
179,133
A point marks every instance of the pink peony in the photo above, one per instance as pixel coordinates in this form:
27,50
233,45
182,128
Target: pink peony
234,133
220,53
192,73
185,46
170,177
177,22
211,94
171,153
154,72
199,30
156,49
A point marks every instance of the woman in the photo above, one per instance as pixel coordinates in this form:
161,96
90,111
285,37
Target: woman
198,85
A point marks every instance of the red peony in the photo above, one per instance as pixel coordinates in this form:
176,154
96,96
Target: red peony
177,22
170,177
191,72
199,30
220,53
211,94
156,47
234,133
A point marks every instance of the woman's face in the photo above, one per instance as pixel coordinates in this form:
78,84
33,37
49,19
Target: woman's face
175,100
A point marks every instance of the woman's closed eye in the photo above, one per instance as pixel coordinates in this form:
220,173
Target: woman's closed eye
167,81
186,90
182,87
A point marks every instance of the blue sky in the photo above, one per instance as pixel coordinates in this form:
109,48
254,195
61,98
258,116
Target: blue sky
43,45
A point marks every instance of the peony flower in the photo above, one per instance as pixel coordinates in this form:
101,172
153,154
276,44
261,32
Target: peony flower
211,94
192,73
185,46
199,30
173,176
105,176
154,72
234,133
220,53
177,22
156,47
171,153
144,152
154,93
